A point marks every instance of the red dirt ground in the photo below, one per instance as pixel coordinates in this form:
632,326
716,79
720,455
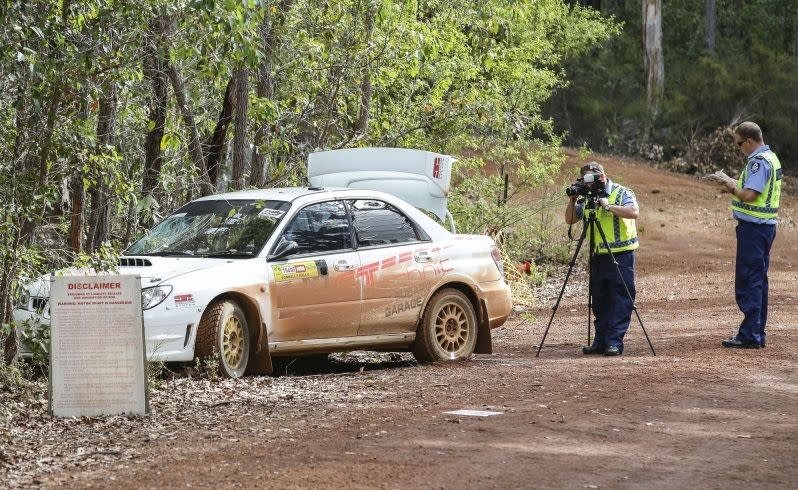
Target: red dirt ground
696,415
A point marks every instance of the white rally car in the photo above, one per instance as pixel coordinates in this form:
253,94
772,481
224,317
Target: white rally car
249,275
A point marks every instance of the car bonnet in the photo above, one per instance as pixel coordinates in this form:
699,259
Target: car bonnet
154,270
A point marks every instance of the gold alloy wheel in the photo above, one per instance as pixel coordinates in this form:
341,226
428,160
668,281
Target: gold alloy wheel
451,328
233,342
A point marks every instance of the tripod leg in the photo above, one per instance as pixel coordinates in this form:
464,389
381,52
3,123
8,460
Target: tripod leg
625,287
562,289
591,223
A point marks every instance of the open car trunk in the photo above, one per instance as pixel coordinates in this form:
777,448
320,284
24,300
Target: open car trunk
421,178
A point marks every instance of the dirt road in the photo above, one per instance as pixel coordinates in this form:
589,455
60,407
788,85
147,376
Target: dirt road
695,415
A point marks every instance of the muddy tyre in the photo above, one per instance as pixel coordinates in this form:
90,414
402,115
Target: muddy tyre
448,328
223,333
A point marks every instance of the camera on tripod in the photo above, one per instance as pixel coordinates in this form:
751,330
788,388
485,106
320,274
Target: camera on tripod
590,186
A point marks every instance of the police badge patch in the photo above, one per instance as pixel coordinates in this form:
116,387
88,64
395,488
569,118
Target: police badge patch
755,167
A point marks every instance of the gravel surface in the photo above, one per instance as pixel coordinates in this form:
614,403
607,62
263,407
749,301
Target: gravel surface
695,415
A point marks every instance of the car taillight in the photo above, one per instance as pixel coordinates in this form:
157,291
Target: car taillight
497,258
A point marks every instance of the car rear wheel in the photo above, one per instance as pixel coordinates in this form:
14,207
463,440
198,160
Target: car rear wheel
448,329
223,333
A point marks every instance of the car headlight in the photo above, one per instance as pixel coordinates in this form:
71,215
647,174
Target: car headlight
152,297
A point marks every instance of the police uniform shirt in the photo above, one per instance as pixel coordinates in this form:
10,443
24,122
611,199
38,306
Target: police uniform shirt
627,199
758,174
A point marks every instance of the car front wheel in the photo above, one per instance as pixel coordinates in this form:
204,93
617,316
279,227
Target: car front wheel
448,329
223,333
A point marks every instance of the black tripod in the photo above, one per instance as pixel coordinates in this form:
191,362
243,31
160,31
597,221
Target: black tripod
592,222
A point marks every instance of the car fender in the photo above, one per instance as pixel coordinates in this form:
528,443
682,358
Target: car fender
242,283
260,360
468,287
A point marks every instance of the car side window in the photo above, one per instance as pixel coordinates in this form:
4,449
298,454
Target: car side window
378,223
320,227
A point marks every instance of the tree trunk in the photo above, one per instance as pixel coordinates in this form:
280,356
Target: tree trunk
215,149
106,127
264,88
39,165
362,124
9,348
335,81
11,242
77,191
194,145
654,61
791,31
132,221
76,221
155,70
794,32
241,77
710,18
44,154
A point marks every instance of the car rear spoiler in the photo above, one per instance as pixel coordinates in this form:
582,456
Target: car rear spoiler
421,178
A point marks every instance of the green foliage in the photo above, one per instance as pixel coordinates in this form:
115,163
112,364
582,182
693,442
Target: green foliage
749,76
79,94
35,339
106,258
157,372
206,368
522,212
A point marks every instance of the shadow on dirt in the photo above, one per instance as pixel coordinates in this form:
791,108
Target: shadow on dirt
349,362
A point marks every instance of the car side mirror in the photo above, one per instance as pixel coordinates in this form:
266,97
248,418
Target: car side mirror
283,249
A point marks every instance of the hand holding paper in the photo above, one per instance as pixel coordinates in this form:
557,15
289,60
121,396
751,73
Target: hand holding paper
722,180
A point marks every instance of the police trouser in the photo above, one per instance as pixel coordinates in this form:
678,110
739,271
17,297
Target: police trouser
612,307
751,278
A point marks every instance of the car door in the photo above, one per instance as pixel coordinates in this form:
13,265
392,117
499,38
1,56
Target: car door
316,292
397,267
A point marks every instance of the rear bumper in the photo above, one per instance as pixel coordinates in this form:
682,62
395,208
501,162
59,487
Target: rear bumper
498,300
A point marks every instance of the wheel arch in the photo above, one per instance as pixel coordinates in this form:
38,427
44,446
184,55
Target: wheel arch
484,340
260,361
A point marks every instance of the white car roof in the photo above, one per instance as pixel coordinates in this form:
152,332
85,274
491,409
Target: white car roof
273,194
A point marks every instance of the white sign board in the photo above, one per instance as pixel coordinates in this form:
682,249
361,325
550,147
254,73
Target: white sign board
97,346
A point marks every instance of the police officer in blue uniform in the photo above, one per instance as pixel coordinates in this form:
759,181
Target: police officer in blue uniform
612,306
755,206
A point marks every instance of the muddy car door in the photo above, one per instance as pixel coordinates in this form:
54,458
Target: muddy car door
316,292
397,260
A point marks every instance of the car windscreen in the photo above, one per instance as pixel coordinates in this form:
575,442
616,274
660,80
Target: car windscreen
215,228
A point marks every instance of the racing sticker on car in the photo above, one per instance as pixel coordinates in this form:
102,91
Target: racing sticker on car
184,300
402,306
297,270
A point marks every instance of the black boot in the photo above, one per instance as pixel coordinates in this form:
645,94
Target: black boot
736,343
593,350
